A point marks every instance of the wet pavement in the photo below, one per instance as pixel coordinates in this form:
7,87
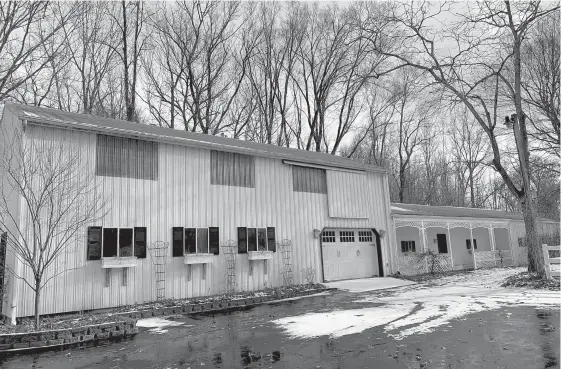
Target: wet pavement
509,337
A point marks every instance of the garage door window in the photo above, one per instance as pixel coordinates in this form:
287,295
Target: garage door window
328,236
364,236
346,236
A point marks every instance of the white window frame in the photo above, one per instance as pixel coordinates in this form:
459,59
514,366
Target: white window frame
118,243
409,245
257,238
328,236
347,235
197,241
366,236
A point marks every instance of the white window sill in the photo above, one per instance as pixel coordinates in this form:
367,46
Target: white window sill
201,258
118,262
260,255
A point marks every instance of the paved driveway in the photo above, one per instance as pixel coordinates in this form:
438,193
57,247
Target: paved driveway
459,322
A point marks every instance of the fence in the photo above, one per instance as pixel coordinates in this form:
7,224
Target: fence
493,259
424,263
549,261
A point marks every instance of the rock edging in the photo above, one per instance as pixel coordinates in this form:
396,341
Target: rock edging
220,305
67,336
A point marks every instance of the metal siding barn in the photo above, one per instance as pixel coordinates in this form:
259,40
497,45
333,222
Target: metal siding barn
287,192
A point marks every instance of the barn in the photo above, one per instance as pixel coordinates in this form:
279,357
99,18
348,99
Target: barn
193,215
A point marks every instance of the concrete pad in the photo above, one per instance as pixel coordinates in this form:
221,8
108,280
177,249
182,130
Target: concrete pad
368,284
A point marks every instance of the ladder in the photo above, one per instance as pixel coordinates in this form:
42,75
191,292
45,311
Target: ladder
158,253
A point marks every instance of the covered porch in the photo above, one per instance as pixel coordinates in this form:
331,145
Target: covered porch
427,245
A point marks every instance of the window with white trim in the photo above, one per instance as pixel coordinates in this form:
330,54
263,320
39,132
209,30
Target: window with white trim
328,236
256,239
116,242
364,236
468,244
191,240
407,246
346,236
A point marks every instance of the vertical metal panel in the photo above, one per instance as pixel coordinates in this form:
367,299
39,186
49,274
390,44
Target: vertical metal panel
183,196
306,179
346,194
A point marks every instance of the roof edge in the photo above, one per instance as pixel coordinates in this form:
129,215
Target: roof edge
186,141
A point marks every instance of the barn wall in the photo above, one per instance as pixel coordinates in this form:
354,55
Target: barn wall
10,136
183,196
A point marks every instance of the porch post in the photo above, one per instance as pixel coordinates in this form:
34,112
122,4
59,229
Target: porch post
472,245
450,239
423,235
492,240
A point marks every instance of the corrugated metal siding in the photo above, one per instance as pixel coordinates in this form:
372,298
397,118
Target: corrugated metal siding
346,194
126,157
309,180
183,196
231,169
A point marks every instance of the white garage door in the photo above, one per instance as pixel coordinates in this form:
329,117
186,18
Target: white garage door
349,254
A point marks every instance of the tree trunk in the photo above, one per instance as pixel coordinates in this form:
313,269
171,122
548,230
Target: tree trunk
37,300
535,258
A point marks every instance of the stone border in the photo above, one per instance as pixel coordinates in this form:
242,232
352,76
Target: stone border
15,342
215,306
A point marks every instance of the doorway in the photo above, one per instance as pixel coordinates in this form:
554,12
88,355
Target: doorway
442,243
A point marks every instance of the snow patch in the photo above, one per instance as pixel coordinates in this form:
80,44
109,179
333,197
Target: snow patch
157,325
338,323
368,284
420,309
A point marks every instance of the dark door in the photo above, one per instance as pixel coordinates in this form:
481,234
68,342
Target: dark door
379,252
442,245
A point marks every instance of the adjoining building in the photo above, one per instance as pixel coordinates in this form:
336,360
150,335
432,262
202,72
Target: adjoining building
461,238
177,200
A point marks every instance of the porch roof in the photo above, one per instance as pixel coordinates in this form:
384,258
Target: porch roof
427,211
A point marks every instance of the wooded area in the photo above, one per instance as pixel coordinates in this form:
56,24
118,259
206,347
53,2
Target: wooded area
420,88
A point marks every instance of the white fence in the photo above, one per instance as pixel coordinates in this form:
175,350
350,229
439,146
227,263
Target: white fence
549,261
493,259
423,263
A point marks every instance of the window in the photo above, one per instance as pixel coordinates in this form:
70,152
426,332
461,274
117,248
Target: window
116,242
364,236
328,236
309,180
521,242
140,242
195,241
346,236
468,244
242,240
126,157
256,239
229,169
94,243
407,246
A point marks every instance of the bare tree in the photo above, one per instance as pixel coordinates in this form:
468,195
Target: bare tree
487,37
25,27
471,153
541,83
58,202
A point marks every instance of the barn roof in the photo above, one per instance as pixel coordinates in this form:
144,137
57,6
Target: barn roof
455,212
45,116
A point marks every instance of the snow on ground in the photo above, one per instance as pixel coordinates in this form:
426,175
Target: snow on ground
157,324
368,284
419,309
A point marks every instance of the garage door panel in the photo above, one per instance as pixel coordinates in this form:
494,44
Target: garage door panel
348,254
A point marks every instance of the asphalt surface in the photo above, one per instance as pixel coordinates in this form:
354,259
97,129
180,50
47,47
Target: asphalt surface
512,337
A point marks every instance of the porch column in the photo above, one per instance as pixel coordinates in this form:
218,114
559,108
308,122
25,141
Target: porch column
423,236
492,241
472,245
450,239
